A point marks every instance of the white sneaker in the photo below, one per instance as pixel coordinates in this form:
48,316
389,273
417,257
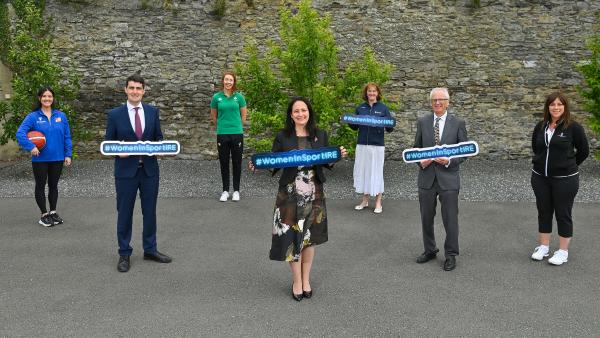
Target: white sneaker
236,196
224,196
540,252
559,257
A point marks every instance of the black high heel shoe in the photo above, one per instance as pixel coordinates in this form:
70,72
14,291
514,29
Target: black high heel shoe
307,294
297,297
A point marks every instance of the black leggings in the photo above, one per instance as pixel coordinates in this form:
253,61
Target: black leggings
49,171
230,146
555,196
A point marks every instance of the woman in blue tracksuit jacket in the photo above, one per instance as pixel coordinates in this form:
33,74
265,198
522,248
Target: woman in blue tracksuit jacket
370,149
47,162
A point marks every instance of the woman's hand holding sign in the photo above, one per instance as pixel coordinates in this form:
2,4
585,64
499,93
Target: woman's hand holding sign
343,151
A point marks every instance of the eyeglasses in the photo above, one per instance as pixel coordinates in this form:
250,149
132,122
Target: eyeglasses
438,100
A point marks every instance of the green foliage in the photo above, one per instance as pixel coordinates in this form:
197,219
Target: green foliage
263,89
144,4
590,69
307,52
76,2
168,4
359,72
304,62
4,30
30,59
219,9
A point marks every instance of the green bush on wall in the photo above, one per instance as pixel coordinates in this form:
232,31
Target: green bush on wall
28,55
590,69
304,62
4,30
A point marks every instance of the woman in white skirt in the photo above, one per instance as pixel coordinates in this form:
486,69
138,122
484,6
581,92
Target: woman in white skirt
370,149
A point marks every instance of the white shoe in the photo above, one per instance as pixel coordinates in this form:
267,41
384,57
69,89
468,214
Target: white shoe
559,257
378,210
224,196
361,206
540,252
236,196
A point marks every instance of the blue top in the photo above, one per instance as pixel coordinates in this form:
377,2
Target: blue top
57,132
371,135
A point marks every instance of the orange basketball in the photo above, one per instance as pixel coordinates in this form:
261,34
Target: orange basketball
37,138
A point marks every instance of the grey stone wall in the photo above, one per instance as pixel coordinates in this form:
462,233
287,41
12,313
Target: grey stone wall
499,60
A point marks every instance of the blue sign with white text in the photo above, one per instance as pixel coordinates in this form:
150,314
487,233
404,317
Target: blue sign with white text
369,120
297,158
462,149
140,148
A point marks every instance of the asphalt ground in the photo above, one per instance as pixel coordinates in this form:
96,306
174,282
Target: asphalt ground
62,281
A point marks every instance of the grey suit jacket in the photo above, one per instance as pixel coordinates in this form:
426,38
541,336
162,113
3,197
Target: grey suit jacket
454,132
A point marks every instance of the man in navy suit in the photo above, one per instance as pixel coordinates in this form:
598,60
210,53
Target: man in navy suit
439,177
135,121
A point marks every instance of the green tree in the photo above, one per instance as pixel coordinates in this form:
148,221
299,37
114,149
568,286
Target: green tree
304,62
29,57
590,69
4,30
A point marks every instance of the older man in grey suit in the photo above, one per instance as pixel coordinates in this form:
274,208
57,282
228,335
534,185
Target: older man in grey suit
439,177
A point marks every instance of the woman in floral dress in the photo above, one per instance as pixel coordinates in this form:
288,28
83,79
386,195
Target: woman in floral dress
300,216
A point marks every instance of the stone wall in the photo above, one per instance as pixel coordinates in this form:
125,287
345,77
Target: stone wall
498,60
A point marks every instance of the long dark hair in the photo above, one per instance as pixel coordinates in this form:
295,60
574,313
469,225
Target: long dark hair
566,116
41,92
311,127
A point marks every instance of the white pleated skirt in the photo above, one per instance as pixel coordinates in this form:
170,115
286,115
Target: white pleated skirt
368,169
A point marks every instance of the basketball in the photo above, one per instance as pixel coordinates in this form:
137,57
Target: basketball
37,138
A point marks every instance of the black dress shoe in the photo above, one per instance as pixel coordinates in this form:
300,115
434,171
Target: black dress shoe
157,257
450,263
307,294
297,297
426,257
123,265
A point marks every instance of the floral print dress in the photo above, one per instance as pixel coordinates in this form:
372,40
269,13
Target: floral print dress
300,216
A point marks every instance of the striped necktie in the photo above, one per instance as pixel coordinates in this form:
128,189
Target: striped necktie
436,130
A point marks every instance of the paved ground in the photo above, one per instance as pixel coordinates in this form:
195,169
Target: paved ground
62,281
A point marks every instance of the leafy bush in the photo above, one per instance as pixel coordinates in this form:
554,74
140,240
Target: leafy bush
219,8
4,30
590,69
29,58
304,62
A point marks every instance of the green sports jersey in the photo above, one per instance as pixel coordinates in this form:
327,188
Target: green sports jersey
229,118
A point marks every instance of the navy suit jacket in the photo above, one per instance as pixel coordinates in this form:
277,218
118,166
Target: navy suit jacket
118,128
